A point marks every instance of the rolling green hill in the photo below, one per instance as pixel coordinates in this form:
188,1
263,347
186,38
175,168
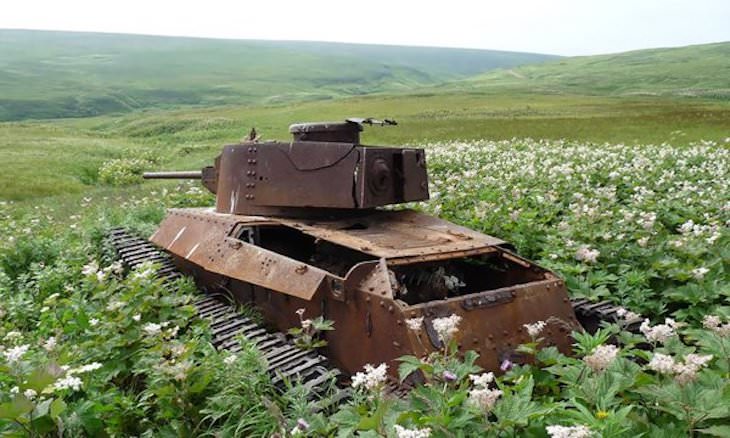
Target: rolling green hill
692,71
67,74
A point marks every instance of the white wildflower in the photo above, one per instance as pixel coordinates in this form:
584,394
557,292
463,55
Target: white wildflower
115,305
446,327
144,271
658,333
84,368
686,227
627,315
453,283
535,328
90,269
45,309
484,398
14,354
482,380
172,332
137,317
30,394
50,344
569,431
643,242
586,254
100,276
601,357
68,382
152,329
372,379
415,323
93,322
661,363
402,432
688,369
711,321
14,390
178,350
699,273
115,268
230,359
300,311
306,324
13,335
715,324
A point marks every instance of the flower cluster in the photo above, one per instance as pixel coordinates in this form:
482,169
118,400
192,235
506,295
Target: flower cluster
481,396
660,332
414,324
402,432
154,329
144,271
601,357
372,379
14,354
587,255
446,327
714,323
627,315
684,371
569,431
535,328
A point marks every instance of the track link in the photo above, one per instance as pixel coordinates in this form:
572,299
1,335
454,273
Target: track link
591,315
285,361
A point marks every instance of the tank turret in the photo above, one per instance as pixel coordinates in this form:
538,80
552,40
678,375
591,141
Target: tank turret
324,170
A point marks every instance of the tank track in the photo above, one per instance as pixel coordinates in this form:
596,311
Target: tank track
591,315
285,362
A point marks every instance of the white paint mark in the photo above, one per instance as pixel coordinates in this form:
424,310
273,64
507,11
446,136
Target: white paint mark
179,233
192,250
233,201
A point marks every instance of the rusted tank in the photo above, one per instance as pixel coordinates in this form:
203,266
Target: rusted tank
298,224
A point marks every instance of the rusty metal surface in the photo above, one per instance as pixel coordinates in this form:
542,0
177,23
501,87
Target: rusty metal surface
203,239
397,234
394,235
300,178
368,311
323,172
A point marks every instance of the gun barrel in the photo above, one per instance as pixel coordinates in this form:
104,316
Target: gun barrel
184,174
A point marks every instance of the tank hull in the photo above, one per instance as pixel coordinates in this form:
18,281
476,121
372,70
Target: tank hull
370,273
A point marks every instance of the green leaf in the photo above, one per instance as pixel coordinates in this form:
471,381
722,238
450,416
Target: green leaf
720,430
57,407
43,424
408,366
18,407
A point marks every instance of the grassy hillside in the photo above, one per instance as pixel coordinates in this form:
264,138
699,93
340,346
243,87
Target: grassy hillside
66,74
692,71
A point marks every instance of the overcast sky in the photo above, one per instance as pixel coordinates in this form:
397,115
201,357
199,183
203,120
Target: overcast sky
563,27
